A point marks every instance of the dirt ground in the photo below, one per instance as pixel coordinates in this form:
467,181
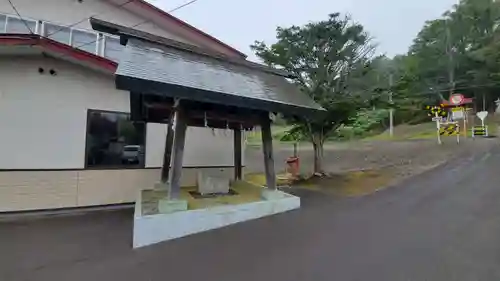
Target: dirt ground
401,158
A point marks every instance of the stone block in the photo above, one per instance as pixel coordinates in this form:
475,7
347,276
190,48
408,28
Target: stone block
208,184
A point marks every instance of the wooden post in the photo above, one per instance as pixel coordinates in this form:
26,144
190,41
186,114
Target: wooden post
237,155
167,156
267,148
169,141
177,153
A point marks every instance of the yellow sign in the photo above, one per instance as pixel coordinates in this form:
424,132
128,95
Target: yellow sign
457,113
480,131
436,111
449,130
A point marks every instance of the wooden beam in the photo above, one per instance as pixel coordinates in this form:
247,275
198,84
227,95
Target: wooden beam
178,153
136,106
267,149
238,167
209,114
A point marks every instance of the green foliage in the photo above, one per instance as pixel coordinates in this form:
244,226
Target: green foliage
458,52
367,120
330,60
294,134
332,63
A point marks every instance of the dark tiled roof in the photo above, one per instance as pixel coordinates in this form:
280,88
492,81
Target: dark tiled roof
163,69
126,33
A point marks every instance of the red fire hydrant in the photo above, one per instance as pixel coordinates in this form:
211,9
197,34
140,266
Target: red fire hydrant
293,166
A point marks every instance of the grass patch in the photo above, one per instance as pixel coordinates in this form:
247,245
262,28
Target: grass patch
254,138
350,184
260,179
403,132
242,192
428,131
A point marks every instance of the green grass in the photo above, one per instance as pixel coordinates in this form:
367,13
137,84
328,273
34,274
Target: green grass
401,132
427,131
255,137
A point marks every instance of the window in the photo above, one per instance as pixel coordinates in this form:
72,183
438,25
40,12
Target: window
17,25
113,141
86,41
112,48
3,21
57,32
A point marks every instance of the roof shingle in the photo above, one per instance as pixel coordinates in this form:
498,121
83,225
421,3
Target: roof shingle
163,69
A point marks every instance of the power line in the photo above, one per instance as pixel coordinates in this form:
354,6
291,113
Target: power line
430,92
137,24
171,11
84,19
182,6
19,15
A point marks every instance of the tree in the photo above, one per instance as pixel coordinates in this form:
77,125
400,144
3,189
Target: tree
329,59
455,53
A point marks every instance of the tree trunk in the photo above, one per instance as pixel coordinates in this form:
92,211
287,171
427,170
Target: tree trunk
317,141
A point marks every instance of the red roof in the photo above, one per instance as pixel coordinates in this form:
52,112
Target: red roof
465,101
46,44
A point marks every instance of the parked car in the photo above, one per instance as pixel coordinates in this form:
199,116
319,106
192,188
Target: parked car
132,154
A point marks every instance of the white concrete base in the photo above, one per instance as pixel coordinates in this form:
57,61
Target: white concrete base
152,229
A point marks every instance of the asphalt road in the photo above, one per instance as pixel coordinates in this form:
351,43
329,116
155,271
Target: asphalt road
441,225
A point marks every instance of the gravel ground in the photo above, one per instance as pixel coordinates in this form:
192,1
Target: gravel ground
406,157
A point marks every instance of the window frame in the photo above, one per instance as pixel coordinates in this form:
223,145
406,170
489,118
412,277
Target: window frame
4,29
95,43
40,28
111,167
59,28
24,22
104,42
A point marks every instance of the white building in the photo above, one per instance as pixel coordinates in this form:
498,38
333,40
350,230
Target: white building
64,126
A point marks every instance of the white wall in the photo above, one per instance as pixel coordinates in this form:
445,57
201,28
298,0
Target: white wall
203,146
69,12
34,190
43,118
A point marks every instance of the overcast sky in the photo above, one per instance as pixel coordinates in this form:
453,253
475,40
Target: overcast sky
393,23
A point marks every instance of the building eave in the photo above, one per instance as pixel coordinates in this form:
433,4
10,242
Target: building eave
62,50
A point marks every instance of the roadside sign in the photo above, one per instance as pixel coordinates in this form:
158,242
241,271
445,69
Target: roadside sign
451,129
435,111
480,131
457,113
482,115
456,99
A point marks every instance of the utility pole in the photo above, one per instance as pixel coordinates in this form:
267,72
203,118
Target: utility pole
484,101
391,110
378,85
451,65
